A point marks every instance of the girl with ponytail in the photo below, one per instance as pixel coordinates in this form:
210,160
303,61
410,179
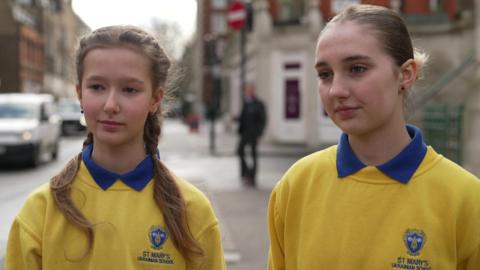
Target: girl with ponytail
381,198
115,205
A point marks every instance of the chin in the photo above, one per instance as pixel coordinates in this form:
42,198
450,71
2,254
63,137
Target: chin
110,139
354,129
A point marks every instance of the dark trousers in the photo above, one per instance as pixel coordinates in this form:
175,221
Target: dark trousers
245,169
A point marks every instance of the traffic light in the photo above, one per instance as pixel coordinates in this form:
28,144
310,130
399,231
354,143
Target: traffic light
249,20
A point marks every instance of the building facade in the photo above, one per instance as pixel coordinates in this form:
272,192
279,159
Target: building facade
21,47
280,59
61,30
37,40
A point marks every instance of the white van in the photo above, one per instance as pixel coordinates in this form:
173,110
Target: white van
73,120
30,127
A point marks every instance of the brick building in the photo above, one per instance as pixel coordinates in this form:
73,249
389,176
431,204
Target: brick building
37,39
21,47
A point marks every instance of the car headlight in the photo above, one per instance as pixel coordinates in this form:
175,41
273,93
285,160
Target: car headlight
27,135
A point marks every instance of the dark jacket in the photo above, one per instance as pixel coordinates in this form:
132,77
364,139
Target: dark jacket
252,119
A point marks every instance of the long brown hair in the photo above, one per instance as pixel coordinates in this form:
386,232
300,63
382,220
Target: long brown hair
167,194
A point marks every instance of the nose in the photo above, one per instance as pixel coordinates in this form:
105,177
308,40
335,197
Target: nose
339,88
111,103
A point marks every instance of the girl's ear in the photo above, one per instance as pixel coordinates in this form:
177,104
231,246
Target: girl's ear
408,74
156,100
78,89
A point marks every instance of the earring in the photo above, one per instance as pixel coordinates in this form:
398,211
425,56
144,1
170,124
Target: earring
81,110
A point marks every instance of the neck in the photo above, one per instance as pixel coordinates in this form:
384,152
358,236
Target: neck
380,147
119,159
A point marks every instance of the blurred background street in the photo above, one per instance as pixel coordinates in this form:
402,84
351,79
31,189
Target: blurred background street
217,47
242,210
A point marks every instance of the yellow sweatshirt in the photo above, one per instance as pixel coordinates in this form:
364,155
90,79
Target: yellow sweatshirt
367,220
130,232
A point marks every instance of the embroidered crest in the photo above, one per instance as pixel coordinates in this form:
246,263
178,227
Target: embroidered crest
414,241
157,237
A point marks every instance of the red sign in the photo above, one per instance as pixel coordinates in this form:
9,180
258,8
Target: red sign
236,16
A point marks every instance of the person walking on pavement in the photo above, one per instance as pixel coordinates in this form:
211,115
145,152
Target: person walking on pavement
115,205
252,123
381,198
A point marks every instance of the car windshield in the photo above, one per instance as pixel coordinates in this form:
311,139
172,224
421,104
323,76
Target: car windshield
17,111
69,107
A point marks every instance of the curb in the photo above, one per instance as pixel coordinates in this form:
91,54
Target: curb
2,255
230,251
230,257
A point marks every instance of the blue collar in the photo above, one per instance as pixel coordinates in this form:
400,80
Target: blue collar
137,179
401,168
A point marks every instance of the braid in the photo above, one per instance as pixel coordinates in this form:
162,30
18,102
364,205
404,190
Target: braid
167,194
88,140
61,186
168,197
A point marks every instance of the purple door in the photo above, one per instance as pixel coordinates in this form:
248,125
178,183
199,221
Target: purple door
292,99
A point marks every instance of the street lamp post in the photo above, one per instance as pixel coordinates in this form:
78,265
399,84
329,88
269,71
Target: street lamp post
214,96
237,16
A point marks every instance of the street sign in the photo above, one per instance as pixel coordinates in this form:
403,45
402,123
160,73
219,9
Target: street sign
237,15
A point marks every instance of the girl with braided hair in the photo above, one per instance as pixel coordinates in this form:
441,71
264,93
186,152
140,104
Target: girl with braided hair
115,205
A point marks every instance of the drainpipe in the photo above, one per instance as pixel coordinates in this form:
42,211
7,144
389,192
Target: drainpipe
472,111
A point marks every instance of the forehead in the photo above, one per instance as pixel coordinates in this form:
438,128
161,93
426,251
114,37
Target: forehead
116,60
117,53
344,39
117,64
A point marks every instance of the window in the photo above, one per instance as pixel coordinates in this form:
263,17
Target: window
219,4
16,111
290,11
435,6
24,2
339,5
219,24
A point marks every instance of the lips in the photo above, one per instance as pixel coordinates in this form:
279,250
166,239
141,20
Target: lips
345,111
344,108
110,125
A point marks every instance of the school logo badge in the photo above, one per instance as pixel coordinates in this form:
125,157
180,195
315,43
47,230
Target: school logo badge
414,241
157,237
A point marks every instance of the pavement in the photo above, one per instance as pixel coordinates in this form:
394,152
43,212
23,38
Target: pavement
241,210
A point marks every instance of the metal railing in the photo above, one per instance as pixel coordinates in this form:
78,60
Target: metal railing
440,85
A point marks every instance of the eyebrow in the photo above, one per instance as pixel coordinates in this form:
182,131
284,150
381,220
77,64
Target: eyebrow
133,80
348,59
128,80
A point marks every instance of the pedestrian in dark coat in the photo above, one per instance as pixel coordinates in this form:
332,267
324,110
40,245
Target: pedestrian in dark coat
252,122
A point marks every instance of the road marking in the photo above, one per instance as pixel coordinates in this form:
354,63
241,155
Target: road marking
232,257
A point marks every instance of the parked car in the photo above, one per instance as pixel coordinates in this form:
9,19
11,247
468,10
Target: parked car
73,120
29,127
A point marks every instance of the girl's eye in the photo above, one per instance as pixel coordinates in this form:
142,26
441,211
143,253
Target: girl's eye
130,90
95,87
358,69
324,75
